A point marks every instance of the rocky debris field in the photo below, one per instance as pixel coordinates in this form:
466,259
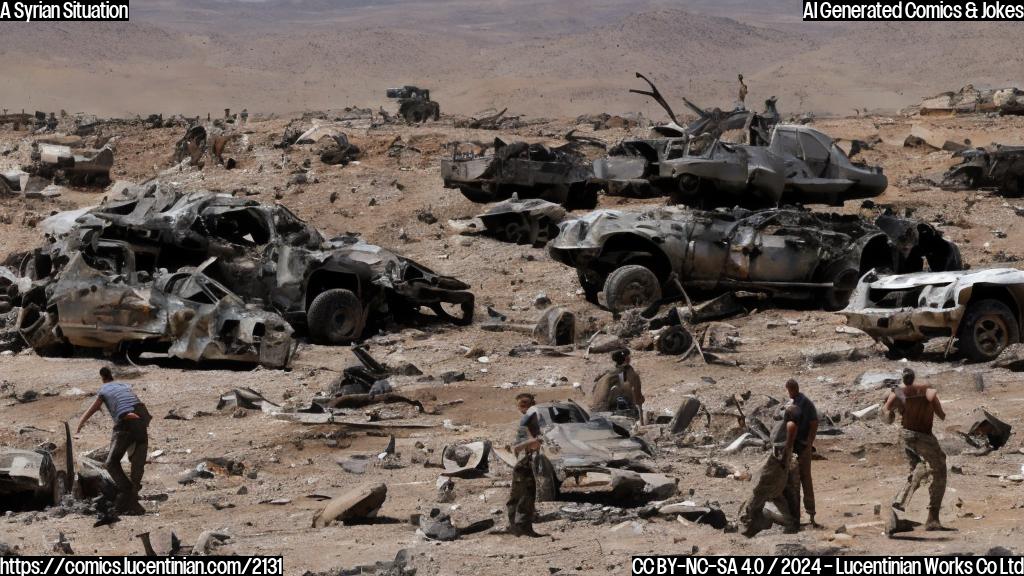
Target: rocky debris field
258,481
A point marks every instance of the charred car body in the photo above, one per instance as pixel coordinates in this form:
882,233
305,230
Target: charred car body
561,175
799,165
779,163
533,221
414,104
337,289
88,167
981,310
634,257
578,443
999,167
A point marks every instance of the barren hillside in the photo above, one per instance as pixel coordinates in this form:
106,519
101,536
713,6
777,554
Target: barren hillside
539,58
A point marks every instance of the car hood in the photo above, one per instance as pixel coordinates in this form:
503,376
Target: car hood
962,278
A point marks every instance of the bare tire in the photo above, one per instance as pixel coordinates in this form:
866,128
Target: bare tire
987,328
675,340
335,317
631,286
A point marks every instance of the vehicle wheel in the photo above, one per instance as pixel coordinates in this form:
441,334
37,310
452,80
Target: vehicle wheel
674,340
843,283
591,282
517,229
688,184
631,286
899,350
335,317
987,328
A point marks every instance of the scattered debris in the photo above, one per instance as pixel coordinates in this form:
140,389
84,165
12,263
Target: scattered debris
358,504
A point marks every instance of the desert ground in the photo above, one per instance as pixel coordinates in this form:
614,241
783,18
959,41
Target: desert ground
548,62
380,197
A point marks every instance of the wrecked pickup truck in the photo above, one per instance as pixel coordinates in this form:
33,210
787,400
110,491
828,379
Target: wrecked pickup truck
338,289
999,167
557,174
789,253
101,301
978,310
84,167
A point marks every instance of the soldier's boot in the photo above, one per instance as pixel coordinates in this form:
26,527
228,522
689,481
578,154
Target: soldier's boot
933,524
891,521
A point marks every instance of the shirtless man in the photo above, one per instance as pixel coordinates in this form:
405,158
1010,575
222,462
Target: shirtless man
618,388
918,404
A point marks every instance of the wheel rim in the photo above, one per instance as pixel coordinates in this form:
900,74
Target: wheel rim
991,334
674,342
342,323
517,231
638,292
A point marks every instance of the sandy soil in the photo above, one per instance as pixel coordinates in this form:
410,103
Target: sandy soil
861,467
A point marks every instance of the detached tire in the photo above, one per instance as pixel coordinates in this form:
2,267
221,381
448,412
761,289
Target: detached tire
631,286
335,317
987,328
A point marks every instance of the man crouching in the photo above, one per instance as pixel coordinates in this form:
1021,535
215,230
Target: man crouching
778,482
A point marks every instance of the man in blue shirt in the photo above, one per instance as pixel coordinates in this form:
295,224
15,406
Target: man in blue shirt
131,423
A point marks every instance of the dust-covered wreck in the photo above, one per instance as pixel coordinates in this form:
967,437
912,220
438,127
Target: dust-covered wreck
157,246
635,258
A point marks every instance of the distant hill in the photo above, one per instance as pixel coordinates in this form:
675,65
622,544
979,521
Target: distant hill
536,57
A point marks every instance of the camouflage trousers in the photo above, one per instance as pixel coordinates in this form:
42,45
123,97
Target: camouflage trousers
521,501
925,456
777,482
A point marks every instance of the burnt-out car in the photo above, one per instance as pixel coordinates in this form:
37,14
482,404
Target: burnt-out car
338,289
100,300
799,165
557,174
532,221
791,253
36,479
578,444
981,311
999,167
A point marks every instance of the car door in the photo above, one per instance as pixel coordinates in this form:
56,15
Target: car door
100,302
782,247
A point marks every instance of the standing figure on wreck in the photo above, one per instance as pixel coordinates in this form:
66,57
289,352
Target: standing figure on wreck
618,389
523,495
742,105
918,404
777,482
131,434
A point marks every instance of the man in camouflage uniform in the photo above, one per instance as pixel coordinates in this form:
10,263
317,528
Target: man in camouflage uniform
918,405
521,499
778,482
